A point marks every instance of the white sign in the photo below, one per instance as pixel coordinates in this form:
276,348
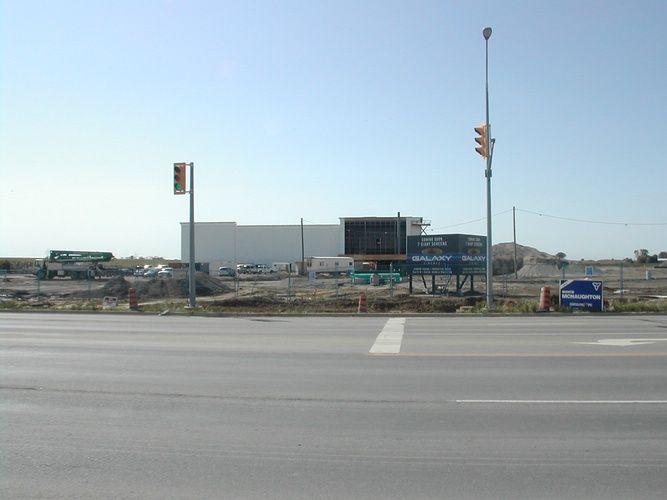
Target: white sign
109,302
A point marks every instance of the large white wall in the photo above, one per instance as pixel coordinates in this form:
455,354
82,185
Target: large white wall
227,243
266,244
214,242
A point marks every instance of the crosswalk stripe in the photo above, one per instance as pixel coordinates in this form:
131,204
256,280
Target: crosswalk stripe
390,338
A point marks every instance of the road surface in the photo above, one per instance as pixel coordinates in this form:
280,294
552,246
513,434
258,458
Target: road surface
137,406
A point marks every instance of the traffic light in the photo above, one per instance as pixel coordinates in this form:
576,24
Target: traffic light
483,140
179,178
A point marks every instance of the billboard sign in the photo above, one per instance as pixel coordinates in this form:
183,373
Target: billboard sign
447,254
582,294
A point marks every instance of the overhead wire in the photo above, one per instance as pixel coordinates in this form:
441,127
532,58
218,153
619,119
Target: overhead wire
557,217
588,221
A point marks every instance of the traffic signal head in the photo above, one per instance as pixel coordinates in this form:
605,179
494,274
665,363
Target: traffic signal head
179,178
483,140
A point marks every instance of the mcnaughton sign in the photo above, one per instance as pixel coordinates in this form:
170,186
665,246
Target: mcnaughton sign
456,254
582,294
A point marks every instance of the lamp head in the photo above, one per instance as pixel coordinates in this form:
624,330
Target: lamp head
487,33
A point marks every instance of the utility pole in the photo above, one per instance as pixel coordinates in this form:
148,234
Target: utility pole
516,275
303,252
398,236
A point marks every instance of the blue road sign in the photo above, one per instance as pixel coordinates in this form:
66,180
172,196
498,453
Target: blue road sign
582,294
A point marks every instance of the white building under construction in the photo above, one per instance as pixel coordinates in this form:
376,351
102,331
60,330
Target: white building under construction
379,239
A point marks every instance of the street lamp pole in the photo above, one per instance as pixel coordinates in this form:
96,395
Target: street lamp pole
489,256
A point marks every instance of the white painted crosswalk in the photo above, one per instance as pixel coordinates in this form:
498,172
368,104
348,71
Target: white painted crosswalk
390,338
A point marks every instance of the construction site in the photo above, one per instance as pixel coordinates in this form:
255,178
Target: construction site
279,293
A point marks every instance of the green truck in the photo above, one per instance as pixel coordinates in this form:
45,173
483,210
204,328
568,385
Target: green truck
72,263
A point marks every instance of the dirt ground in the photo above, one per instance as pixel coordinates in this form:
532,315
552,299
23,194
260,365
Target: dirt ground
327,293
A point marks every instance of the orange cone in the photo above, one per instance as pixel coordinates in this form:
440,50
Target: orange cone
132,297
363,303
545,299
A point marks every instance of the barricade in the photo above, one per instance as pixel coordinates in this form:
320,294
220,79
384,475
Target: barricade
545,299
132,298
363,303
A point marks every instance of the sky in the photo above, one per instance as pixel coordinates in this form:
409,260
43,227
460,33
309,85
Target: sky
334,108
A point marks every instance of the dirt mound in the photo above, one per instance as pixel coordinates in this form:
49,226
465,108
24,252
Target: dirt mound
506,251
503,260
115,287
538,269
158,288
154,289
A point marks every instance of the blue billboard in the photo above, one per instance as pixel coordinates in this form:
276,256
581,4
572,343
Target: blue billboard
582,294
449,254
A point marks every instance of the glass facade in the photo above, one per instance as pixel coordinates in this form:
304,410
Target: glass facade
375,236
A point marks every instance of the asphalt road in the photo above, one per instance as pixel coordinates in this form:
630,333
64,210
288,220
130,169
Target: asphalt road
125,406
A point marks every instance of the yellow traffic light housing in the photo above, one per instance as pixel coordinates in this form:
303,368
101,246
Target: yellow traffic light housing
483,140
179,178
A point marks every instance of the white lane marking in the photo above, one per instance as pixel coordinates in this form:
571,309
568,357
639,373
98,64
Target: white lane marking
390,338
621,342
561,402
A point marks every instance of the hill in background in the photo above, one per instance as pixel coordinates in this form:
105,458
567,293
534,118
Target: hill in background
532,263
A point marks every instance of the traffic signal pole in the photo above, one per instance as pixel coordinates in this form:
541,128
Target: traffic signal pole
489,252
180,187
191,264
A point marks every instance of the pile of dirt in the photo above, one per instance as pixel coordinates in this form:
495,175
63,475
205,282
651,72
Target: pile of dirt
115,287
503,259
535,267
159,288
155,289
206,285
505,251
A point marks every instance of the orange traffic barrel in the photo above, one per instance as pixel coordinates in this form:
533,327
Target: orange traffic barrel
132,297
363,303
545,299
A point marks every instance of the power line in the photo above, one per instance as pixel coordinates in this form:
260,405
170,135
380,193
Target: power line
586,221
471,221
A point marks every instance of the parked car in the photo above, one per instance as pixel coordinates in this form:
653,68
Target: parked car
226,271
151,273
165,272
263,269
245,268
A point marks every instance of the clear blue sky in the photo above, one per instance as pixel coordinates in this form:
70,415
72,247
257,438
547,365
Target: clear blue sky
325,109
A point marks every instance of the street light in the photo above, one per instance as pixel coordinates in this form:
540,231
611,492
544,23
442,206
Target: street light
489,255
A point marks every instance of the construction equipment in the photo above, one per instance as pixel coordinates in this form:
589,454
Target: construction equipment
72,263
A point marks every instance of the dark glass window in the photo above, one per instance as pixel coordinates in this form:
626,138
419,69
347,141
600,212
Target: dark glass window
374,236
